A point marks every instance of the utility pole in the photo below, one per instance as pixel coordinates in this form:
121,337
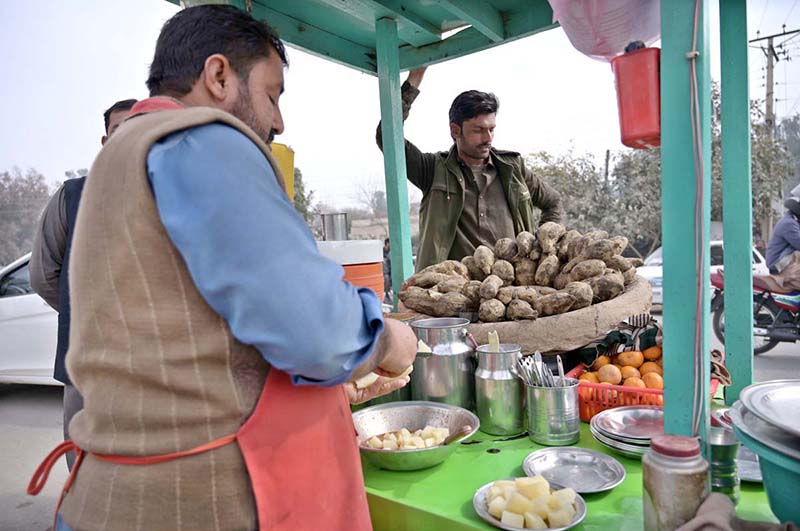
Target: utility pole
608,155
773,56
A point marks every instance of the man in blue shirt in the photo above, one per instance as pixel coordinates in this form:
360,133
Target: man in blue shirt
210,339
785,240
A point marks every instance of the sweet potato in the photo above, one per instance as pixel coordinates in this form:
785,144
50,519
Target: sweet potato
555,303
490,286
475,273
504,270
606,287
454,283
518,310
525,242
582,292
484,259
420,300
505,249
525,272
492,311
565,242
587,269
451,304
547,270
548,234
472,291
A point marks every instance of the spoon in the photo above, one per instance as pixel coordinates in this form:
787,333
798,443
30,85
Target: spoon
458,435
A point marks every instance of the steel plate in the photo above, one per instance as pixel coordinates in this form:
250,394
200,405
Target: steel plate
629,450
585,471
763,432
481,507
632,424
747,465
772,401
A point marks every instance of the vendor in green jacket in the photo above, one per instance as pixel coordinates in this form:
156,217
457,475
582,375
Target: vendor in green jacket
472,194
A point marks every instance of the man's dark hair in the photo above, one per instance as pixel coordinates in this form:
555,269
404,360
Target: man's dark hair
792,204
472,103
195,33
386,241
122,105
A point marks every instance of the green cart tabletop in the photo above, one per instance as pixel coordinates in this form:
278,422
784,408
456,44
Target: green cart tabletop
440,498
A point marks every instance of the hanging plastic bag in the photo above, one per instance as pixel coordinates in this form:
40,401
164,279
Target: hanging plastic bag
602,29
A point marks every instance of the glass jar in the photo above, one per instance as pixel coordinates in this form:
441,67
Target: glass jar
675,482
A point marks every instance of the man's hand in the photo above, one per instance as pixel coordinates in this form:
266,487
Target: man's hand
382,386
401,349
415,76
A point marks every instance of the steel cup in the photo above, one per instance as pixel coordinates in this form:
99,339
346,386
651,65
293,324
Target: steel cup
553,418
724,473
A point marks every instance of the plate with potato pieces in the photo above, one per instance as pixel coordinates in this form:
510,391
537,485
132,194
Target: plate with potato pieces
529,503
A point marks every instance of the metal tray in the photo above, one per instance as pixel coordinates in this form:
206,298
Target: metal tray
747,465
763,432
772,402
585,471
643,443
629,450
481,507
633,424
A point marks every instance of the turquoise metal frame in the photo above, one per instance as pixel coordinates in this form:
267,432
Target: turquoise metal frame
736,196
384,37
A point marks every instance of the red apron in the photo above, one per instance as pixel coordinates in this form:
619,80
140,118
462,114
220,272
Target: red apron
301,456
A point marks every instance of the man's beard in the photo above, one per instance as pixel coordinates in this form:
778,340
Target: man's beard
243,110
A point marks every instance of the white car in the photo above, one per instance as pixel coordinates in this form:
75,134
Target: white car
28,329
652,268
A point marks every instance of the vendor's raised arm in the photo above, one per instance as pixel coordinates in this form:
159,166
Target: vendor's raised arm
419,165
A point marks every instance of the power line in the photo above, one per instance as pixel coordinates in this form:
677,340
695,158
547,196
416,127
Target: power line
790,12
762,17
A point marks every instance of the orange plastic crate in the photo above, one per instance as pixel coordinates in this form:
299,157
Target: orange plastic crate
594,398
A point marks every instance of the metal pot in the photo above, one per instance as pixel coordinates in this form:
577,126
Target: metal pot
499,393
447,374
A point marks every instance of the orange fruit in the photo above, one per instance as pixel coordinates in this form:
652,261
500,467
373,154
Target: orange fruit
653,380
609,374
660,362
634,382
632,358
652,353
589,377
600,361
649,367
630,372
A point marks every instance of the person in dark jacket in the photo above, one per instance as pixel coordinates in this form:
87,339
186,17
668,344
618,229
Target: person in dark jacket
473,194
50,262
785,240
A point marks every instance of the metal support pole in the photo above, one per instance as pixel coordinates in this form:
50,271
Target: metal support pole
394,154
736,196
682,281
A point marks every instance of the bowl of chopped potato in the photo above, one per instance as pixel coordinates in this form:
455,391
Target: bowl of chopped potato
529,503
410,435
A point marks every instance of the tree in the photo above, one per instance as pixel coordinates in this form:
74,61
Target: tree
23,196
373,199
74,174
790,134
303,200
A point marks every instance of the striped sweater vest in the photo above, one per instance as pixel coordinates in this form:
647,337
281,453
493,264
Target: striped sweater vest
159,370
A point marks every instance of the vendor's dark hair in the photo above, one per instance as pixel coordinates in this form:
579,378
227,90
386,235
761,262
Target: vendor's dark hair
792,204
472,103
122,105
195,33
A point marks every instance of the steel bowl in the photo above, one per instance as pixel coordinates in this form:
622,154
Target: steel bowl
414,415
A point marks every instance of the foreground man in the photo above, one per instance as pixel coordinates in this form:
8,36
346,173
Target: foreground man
50,263
210,339
472,194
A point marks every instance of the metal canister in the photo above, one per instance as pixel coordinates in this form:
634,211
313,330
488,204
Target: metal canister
498,390
724,472
447,374
553,416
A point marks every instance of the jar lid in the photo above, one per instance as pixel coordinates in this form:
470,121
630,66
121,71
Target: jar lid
675,445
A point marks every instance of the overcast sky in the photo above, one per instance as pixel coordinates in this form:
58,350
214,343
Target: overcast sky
65,62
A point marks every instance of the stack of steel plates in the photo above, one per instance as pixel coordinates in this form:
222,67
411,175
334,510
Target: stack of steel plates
628,430
766,420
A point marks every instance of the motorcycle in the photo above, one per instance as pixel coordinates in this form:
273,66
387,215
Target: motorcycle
776,313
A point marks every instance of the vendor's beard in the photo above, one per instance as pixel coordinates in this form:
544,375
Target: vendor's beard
243,110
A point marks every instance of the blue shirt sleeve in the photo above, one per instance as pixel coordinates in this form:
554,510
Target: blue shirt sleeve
255,261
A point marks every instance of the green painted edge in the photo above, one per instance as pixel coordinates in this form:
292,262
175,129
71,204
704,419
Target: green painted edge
317,41
481,15
519,24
